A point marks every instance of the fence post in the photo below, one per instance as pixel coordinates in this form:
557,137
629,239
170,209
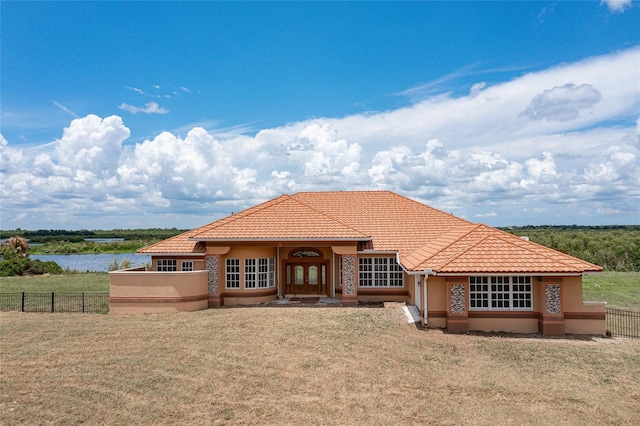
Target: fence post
52,302
22,305
83,302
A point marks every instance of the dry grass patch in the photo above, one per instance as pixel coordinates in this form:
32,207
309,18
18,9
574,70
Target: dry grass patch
303,365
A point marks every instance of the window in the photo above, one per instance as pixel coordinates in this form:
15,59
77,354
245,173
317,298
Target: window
187,265
166,265
500,293
305,253
379,272
259,273
232,277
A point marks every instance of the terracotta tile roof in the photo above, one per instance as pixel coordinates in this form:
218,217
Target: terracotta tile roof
394,222
488,250
424,237
279,219
174,245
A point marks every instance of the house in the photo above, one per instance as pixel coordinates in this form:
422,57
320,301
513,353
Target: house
366,246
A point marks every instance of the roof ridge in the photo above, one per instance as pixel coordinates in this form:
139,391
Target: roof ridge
429,206
325,214
472,246
448,245
234,217
506,237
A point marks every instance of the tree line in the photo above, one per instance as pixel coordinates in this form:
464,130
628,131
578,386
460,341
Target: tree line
616,248
42,236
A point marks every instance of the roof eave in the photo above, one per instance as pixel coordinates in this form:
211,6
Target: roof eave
176,253
519,273
277,239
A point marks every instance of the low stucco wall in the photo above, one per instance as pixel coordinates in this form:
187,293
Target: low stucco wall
508,325
590,319
151,292
249,297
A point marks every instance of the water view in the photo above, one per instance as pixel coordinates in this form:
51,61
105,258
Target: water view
92,262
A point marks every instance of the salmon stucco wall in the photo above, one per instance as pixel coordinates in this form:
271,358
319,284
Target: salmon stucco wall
581,317
198,262
437,302
242,295
149,291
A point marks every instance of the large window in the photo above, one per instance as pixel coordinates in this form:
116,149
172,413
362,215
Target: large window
187,265
166,265
379,272
232,276
259,273
500,293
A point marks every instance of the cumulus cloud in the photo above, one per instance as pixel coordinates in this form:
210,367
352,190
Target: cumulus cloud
562,103
616,6
471,155
148,108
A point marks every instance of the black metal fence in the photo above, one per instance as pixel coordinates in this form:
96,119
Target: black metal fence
94,303
621,323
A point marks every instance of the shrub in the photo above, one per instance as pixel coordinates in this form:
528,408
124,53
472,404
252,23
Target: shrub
38,267
14,260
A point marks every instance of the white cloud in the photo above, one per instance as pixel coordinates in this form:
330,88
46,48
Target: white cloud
473,155
476,89
562,103
617,6
488,214
149,108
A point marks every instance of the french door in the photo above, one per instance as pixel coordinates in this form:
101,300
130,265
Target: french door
306,278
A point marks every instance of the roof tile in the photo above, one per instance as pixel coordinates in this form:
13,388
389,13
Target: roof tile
424,237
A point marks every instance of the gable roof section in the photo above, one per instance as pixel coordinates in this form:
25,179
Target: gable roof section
488,250
178,244
423,237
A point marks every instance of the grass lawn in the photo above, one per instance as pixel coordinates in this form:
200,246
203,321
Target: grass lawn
303,366
619,289
65,283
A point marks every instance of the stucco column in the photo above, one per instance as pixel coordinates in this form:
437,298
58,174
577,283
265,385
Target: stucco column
457,311
551,319
213,266
349,279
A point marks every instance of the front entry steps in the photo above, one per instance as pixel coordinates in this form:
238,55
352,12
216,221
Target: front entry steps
306,300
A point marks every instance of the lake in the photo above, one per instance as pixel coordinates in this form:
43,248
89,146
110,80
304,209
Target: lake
92,262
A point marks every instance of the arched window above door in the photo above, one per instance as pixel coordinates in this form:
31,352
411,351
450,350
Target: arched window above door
301,253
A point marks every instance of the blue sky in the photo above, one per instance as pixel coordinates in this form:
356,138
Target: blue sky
145,114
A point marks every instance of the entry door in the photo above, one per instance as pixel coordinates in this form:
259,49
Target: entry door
307,278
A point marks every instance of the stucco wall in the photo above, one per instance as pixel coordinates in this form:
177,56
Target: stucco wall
581,317
575,316
242,295
151,291
198,262
509,325
437,302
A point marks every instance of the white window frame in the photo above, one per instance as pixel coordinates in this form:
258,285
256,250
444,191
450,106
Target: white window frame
500,293
232,274
250,273
186,265
166,265
379,272
259,273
